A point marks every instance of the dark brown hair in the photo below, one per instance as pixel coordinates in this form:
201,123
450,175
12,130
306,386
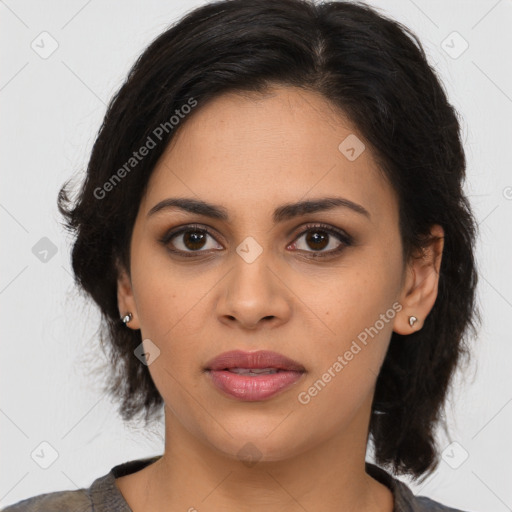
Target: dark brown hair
375,71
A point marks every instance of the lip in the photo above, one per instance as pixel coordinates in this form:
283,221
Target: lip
251,360
257,387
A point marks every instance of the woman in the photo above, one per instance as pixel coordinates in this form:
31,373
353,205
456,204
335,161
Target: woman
274,228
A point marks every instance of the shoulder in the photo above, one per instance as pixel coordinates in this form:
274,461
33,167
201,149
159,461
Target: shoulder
424,504
404,499
102,495
60,501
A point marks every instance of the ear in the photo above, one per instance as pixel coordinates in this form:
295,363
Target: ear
125,299
419,292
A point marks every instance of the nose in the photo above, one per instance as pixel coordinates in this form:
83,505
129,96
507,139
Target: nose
254,295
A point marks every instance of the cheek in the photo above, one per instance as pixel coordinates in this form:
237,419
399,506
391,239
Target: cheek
170,311
174,309
352,298
171,315
166,294
358,304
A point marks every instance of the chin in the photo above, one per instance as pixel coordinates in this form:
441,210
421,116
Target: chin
259,447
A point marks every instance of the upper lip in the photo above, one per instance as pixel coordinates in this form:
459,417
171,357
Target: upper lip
259,359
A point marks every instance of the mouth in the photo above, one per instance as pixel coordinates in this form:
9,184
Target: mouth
253,376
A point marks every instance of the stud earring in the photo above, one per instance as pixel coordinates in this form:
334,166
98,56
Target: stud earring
127,318
412,320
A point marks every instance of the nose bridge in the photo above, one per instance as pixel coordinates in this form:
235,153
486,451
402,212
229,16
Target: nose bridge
253,275
253,289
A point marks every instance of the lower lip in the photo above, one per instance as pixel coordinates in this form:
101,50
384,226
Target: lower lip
251,389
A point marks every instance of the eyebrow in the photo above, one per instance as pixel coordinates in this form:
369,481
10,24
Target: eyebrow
281,214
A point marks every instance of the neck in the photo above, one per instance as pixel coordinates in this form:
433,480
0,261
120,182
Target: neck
193,475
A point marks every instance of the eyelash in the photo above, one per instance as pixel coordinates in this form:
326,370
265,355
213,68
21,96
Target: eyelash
346,239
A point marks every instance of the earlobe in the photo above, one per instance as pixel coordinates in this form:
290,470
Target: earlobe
420,288
126,301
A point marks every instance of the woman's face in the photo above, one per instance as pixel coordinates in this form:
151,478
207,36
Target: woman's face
265,281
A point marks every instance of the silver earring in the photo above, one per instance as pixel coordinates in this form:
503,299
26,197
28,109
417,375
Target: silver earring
412,320
126,318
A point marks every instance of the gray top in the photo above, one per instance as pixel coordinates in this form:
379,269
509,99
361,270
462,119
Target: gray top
104,496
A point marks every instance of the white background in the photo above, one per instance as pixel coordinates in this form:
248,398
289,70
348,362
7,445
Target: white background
51,110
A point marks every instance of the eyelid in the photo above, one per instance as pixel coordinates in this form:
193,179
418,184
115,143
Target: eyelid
171,233
341,235
324,227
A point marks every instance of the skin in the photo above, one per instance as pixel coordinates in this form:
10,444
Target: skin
252,153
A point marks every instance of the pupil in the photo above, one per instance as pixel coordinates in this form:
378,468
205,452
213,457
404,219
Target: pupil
314,240
194,239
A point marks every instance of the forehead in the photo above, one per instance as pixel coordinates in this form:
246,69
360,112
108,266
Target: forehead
249,149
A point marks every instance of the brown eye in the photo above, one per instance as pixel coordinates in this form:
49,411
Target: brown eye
189,240
318,238
194,240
